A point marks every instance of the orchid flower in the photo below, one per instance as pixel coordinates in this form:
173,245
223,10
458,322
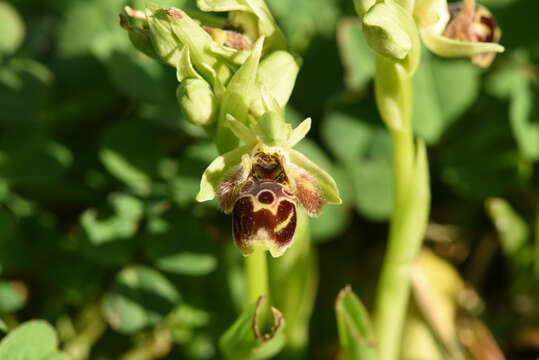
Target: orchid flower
262,182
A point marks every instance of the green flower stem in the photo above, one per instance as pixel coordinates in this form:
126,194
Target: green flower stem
408,222
256,273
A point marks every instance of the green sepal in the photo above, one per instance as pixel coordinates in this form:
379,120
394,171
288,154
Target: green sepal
298,133
242,131
213,175
324,182
272,129
276,76
265,23
237,98
356,334
446,47
432,17
243,340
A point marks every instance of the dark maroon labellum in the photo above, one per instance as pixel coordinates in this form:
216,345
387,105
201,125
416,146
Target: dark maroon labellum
264,212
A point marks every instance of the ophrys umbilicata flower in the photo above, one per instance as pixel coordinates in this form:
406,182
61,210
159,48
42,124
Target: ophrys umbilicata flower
458,29
262,182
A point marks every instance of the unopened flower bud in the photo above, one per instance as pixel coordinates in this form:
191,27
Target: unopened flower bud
197,101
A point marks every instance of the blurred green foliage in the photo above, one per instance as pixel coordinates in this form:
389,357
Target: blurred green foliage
98,173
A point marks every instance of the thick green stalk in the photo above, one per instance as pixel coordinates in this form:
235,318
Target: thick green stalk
256,274
410,209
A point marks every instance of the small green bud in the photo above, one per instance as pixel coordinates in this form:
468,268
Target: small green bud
197,101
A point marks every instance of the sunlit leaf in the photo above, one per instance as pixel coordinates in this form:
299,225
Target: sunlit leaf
33,340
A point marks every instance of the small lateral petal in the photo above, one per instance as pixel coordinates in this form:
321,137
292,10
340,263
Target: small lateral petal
307,192
325,183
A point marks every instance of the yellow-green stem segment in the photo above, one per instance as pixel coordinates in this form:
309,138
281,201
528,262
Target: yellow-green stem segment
410,212
256,274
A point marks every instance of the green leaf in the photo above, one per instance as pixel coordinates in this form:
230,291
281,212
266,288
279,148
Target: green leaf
13,252
130,152
3,326
242,341
96,27
356,55
524,116
330,223
33,340
487,141
24,89
11,29
140,297
443,90
365,151
12,297
304,20
513,231
109,241
180,244
356,334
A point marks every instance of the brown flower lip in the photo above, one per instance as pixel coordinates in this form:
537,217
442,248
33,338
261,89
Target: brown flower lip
265,208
